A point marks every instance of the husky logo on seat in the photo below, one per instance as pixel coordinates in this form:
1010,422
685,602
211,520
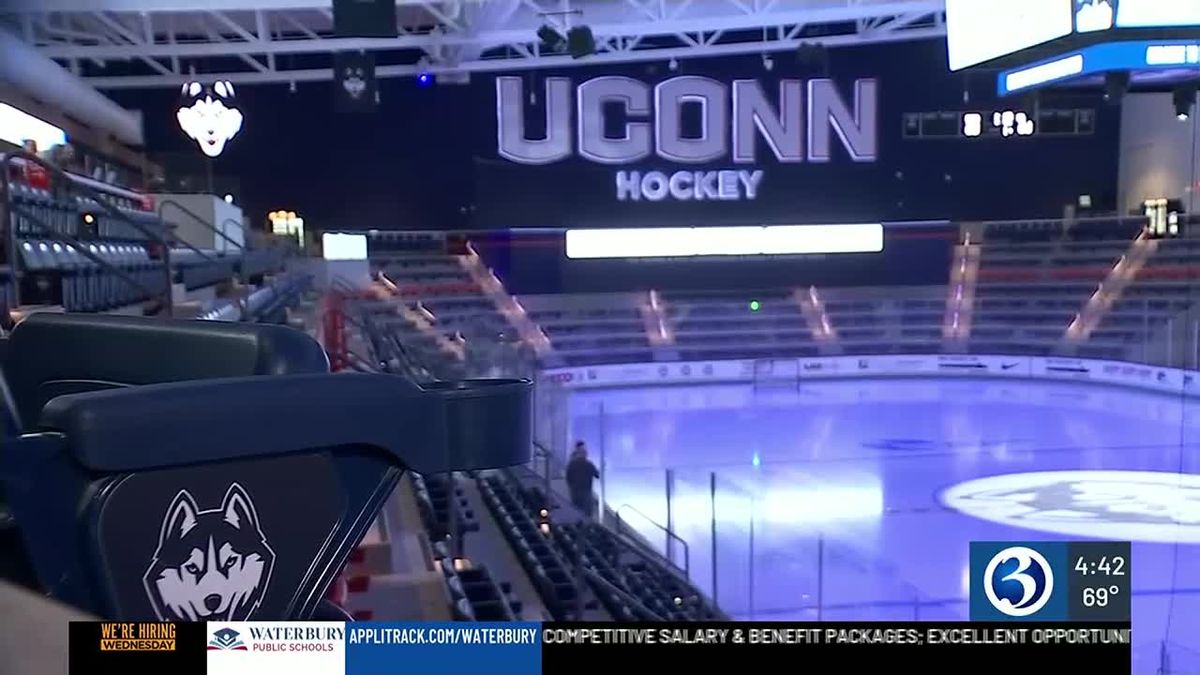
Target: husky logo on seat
210,565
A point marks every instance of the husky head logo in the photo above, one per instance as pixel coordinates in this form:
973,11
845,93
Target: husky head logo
1133,505
210,565
207,116
355,82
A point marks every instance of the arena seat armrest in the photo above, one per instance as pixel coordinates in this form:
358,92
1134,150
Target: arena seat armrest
127,351
471,425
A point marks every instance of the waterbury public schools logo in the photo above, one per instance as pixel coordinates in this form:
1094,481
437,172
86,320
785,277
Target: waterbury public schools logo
210,565
226,639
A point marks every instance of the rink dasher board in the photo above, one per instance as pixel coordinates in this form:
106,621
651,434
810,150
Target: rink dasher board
1121,373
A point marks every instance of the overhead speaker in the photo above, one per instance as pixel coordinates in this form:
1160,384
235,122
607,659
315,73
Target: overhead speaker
364,18
581,42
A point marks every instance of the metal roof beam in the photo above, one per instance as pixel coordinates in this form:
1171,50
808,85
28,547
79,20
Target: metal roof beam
464,35
506,64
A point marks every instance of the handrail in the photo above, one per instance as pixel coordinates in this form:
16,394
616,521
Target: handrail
670,535
5,192
626,597
241,226
180,207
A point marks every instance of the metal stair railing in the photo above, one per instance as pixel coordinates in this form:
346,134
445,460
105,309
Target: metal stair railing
7,161
670,538
645,613
244,246
176,238
192,214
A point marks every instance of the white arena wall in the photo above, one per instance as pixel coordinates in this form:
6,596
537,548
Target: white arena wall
1164,380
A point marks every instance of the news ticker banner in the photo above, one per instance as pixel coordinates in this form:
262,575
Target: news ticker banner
1053,603
303,648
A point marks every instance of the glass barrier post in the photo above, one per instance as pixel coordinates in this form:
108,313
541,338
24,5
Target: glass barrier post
670,492
750,562
603,465
1171,342
452,508
546,480
1195,345
1146,332
712,501
820,574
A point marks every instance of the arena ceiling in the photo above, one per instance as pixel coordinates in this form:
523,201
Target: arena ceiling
117,44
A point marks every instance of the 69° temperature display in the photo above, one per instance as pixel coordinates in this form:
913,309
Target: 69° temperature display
1099,583
1098,597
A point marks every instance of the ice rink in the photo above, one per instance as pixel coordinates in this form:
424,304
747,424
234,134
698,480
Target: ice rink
856,500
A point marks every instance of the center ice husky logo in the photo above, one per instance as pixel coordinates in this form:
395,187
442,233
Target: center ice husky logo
1132,505
210,565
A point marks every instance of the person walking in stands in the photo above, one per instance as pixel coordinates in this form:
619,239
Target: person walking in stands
580,474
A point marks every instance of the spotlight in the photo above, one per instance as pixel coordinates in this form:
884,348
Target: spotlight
673,64
1184,96
552,41
768,62
1115,86
425,79
580,42
228,199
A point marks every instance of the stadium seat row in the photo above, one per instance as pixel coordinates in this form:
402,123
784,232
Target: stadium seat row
549,572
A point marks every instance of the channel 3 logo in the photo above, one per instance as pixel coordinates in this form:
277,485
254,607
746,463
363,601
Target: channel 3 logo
1014,581
1018,581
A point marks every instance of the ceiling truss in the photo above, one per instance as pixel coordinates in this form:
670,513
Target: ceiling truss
156,43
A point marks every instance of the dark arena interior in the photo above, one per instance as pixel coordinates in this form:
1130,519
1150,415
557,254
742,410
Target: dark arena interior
783,315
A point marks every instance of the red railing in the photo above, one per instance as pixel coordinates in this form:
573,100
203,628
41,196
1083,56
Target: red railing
333,331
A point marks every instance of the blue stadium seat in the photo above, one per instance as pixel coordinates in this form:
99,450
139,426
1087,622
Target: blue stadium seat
219,499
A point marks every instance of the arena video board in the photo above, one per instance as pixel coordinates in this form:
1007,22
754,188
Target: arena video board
980,31
1153,13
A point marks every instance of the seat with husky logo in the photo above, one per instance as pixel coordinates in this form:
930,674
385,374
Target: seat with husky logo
70,353
237,497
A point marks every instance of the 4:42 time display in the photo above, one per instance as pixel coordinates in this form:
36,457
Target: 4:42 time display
1106,565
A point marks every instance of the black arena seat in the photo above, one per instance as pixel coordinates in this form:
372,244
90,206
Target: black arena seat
70,353
227,498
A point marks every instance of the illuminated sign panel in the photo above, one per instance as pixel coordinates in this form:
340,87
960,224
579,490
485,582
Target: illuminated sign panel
1101,58
798,122
18,126
672,242
982,30
1156,13
344,246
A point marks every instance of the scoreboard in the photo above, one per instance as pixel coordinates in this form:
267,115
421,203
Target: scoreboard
998,123
1038,42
